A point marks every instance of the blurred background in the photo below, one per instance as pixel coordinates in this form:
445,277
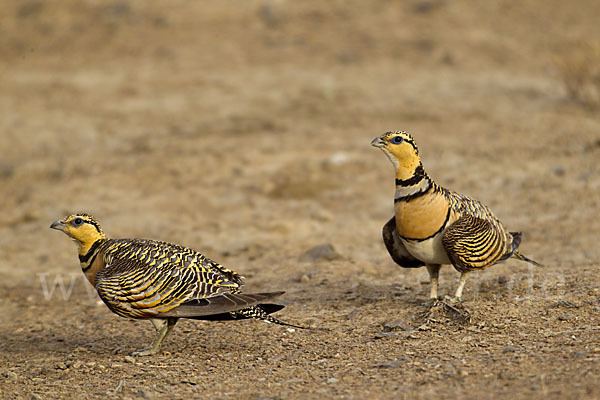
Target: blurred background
242,129
233,124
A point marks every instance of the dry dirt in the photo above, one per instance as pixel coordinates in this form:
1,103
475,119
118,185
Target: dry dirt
242,129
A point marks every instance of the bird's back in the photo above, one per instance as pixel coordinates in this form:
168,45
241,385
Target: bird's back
464,205
475,237
142,278
145,254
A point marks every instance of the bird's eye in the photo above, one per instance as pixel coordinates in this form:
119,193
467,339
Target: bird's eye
77,221
397,139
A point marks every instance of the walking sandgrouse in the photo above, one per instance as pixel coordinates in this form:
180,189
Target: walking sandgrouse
159,281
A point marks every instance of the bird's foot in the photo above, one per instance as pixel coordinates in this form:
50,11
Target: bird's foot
431,313
455,306
452,299
444,308
144,352
432,302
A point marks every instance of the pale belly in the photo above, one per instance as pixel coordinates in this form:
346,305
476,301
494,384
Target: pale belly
430,251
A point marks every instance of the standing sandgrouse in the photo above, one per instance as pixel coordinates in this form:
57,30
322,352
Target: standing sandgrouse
433,226
159,281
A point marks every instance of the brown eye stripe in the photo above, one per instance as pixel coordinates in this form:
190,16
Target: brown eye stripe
86,218
95,224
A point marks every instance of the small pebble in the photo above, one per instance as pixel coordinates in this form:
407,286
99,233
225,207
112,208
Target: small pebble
397,324
390,364
61,366
332,380
558,170
10,375
324,251
510,349
353,314
385,334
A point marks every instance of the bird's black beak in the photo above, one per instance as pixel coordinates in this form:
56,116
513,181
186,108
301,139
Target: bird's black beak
377,142
58,225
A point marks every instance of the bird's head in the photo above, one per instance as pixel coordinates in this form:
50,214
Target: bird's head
402,151
82,228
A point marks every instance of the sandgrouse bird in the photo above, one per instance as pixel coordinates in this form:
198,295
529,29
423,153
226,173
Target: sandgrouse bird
432,226
162,282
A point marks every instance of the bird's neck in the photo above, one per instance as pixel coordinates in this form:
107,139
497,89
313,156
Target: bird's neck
407,167
88,252
413,184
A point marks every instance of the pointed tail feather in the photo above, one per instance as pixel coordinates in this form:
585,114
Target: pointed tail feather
515,253
521,257
262,313
229,316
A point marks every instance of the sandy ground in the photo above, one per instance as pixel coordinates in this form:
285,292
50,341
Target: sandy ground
242,129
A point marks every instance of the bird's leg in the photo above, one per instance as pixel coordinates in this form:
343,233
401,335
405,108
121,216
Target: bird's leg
433,302
451,302
461,285
163,328
434,273
447,303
